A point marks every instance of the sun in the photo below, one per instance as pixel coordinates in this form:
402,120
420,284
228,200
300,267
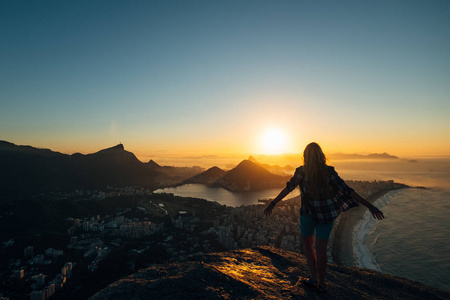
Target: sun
274,141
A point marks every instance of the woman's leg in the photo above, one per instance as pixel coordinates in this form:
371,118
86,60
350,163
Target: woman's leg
307,227
321,251
308,241
322,235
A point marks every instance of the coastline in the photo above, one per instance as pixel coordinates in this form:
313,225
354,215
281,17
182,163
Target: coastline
341,239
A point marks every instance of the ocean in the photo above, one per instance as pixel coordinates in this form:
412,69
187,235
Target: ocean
413,241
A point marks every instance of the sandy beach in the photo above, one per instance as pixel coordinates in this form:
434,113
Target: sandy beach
342,235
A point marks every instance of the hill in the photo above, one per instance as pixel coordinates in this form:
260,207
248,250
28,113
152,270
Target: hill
248,176
208,177
153,165
259,273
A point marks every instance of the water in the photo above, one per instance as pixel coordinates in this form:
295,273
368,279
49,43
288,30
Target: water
224,196
412,241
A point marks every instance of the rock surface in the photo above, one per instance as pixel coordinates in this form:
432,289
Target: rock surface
259,273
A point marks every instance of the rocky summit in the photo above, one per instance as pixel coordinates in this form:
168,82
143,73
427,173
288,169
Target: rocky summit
259,273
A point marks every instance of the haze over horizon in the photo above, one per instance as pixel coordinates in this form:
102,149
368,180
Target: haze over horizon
182,79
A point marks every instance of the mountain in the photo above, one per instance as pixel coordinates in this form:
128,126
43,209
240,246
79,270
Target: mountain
208,177
338,156
153,165
114,167
381,156
27,170
248,176
259,273
275,169
28,150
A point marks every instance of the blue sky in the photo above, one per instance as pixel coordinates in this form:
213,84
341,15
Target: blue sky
209,77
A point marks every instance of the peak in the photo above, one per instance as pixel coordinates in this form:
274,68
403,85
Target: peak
208,177
118,147
252,159
115,148
215,168
153,164
257,273
247,164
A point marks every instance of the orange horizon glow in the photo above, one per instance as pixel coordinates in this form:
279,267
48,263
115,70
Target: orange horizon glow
260,144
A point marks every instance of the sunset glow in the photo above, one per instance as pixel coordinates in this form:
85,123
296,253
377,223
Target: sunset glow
274,141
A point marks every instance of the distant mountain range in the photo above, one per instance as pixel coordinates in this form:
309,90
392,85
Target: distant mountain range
276,169
291,161
247,176
384,155
27,170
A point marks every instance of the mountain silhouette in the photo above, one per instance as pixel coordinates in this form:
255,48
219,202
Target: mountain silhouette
24,169
7,147
153,165
248,176
208,177
114,167
27,170
343,156
259,273
275,169
383,155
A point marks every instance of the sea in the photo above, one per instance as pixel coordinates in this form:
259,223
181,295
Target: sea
413,241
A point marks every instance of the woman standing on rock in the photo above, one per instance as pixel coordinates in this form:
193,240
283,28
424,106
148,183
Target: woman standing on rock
323,196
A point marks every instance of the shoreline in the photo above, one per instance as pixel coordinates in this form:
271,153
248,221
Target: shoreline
341,239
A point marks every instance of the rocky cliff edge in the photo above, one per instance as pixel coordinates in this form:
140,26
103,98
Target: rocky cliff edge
259,273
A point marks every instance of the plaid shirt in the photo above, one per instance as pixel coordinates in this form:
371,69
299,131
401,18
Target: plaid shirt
323,209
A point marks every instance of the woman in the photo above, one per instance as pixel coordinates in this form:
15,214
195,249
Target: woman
323,196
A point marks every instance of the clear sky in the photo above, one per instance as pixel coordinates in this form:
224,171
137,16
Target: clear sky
213,77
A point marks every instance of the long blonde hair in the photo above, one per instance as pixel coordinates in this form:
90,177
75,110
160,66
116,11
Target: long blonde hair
316,174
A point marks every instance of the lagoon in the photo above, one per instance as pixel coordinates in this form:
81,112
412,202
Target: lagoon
222,195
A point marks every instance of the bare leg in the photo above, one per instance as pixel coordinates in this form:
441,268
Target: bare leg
321,251
308,241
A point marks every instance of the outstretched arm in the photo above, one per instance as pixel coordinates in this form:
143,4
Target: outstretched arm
376,213
281,195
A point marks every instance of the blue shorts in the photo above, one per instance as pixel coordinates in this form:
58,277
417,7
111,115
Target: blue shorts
308,225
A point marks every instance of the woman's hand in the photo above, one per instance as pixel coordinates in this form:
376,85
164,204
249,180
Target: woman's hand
376,213
268,210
